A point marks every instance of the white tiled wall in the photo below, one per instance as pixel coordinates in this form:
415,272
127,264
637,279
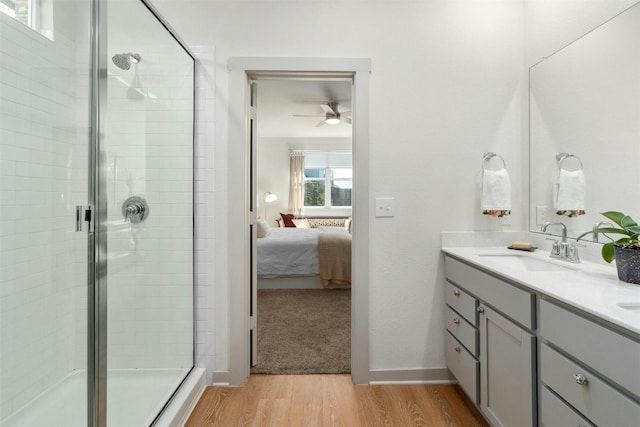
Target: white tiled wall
43,170
150,154
204,210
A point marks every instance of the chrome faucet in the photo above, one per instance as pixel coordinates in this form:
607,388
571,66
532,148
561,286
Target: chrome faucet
561,249
596,226
564,229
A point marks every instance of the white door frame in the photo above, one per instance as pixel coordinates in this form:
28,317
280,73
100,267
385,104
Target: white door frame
238,213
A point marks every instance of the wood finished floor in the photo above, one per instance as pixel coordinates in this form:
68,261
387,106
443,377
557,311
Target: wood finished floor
332,400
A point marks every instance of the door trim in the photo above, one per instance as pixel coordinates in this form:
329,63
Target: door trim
238,206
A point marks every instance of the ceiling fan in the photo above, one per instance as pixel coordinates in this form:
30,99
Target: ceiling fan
332,115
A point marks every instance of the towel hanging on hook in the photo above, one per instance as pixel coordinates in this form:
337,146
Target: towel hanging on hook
495,197
570,188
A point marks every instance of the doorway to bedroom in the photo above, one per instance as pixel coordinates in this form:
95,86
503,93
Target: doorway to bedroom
302,188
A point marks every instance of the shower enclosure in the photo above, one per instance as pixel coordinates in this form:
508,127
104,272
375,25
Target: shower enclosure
96,213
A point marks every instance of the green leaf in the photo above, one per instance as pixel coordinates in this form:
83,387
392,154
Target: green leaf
634,229
627,222
583,234
614,216
604,230
607,252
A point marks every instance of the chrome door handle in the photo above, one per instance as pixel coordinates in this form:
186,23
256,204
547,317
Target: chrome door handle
456,321
456,293
457,349
480,309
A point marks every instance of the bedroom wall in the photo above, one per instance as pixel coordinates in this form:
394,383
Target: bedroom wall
448,83
273,176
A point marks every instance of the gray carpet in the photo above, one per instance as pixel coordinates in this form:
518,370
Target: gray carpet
304,331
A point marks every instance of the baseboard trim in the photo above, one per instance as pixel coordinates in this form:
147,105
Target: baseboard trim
410,376
221,378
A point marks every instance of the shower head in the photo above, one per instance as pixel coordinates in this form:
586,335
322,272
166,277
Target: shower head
124,60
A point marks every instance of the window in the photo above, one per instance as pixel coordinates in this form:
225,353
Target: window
327,179
35,14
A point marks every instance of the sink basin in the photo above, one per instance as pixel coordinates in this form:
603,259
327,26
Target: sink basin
633,306
528,263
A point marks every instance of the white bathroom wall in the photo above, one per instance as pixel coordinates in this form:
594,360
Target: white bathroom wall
446,86
553,24
43,176
204,210
448,83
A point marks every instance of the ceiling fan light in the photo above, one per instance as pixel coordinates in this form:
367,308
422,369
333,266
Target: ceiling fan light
333,121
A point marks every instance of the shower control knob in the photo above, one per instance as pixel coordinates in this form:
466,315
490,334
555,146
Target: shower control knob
135,209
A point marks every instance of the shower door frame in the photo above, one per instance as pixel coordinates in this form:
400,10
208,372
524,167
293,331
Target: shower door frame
97,241
97,199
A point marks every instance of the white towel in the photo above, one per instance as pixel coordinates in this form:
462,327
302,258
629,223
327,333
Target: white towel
571,188
496,192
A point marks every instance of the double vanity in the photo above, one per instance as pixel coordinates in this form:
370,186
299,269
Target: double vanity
535,341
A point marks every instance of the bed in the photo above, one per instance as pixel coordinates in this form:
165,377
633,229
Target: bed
304,258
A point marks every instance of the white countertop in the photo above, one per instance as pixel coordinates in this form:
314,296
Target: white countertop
591,287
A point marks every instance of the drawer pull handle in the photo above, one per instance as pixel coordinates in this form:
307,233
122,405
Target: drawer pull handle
457,349
480,309
456,321
456,293
580,379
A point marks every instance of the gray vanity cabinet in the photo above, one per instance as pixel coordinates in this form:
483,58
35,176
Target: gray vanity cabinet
490,347
529,359
461,346
506,370
594,375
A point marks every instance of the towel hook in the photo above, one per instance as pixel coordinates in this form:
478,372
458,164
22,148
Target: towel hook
561,157
488,156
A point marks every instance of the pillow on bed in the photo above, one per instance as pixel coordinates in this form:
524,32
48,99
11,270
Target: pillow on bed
347,224
301,223
263,228
288,219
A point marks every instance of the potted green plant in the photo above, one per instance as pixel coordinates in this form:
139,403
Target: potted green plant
626,250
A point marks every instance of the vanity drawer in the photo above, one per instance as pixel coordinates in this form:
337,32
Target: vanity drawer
605,351
463,366
512,301
461,302
462,330
555,413
596,400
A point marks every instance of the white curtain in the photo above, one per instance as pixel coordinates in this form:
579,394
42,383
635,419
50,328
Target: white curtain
296,182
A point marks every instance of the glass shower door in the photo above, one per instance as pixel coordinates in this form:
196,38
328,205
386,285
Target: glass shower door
149,168
45,64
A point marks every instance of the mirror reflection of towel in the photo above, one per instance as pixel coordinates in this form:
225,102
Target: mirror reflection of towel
495,199
571,190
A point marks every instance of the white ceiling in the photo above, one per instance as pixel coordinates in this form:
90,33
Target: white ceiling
280,99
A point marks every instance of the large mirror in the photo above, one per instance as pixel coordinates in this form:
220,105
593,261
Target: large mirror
585,128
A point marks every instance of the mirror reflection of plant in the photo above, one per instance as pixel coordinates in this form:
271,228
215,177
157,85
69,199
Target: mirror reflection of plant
628,228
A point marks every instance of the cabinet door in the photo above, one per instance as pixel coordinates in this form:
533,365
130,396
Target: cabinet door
506,371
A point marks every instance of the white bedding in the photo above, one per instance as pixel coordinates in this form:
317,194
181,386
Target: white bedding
288,251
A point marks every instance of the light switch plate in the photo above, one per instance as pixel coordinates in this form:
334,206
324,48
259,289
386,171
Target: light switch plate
385,207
